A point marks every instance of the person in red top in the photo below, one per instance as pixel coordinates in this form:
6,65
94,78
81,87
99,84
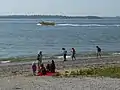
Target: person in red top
73,54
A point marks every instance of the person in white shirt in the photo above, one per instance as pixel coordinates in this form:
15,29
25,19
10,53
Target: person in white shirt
39,58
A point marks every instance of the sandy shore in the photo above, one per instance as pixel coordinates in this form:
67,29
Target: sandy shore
18,76
50,83
23,68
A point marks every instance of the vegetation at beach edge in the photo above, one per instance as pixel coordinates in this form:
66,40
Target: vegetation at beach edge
105,71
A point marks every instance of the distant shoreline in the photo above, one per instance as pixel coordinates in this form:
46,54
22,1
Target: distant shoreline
50,16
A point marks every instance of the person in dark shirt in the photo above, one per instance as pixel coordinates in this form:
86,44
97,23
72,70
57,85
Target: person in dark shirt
48,67
73,54
98,51
64,53
43,70
53,66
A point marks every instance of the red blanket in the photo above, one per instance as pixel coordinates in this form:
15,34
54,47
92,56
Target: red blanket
47,74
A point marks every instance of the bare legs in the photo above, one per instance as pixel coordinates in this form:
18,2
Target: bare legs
98,54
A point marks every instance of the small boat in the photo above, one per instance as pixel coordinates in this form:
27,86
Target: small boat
47,23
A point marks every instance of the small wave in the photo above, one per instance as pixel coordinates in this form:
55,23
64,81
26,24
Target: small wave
116,54
3,62
88,25
62,57
38,24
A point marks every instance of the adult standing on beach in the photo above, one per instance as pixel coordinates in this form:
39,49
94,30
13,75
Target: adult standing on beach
64,53
39,58
98,51
73,54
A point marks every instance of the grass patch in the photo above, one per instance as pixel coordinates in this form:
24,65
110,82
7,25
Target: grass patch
109,71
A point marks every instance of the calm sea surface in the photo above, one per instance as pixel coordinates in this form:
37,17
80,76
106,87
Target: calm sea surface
22,37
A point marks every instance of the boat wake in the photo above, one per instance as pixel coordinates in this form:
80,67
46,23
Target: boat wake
89,25
85,25
74,25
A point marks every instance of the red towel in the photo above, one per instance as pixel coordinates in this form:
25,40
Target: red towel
47,74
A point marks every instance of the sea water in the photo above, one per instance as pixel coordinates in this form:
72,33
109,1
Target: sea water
26,37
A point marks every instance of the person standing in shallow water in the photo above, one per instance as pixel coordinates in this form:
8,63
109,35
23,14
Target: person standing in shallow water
64,53
39,58
73,54
98,51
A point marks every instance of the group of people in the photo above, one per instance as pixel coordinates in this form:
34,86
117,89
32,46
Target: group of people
73,56
50,67
65,53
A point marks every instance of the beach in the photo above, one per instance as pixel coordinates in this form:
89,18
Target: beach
46,31
18,76
50,83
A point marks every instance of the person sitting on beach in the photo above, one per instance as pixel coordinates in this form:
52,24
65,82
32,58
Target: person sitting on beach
34,68
52,66
98,51
73,53
48,67
43,70
39,58
64,53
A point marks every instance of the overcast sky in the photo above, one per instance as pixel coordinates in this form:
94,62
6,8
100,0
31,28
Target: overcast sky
61,7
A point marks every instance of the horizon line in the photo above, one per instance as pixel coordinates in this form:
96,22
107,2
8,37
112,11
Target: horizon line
54,15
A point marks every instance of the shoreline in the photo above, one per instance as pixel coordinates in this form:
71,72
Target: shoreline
55,56
24,68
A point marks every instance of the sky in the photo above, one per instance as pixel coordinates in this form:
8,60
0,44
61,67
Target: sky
61,7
